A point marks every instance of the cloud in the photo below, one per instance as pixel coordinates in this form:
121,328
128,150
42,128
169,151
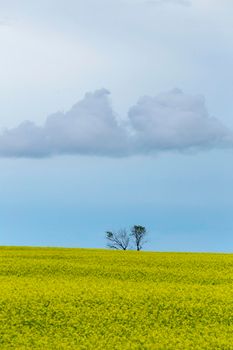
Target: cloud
169,121
175,121
5,22
89,127
167,2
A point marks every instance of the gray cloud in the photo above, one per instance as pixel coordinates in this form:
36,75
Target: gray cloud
89,127
168,121
175,121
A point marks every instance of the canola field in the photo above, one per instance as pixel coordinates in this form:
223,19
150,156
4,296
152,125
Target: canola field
100,299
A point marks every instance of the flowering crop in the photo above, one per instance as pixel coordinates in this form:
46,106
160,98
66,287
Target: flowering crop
99,299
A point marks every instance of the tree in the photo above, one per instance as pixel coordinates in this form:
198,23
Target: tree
138,233
118,240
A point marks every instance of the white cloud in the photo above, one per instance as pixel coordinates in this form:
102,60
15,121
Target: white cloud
5,21
166,2
168,121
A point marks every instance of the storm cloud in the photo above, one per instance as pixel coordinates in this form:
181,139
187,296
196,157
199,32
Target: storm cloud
170,121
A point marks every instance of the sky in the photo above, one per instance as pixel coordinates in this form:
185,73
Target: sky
115,113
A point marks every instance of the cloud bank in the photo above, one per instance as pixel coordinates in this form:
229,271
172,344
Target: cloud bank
170,121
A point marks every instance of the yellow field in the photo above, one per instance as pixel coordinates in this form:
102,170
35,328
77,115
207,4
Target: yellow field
99,299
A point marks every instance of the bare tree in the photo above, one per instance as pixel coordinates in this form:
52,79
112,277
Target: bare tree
118,240
138,233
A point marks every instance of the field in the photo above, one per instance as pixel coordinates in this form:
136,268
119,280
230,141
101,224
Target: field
99,299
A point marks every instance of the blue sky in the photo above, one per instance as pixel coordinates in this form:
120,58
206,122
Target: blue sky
116,158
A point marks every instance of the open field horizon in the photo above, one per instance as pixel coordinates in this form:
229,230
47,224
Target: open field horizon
64,298
144,250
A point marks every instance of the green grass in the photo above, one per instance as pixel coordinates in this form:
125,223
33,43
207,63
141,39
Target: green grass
99,299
